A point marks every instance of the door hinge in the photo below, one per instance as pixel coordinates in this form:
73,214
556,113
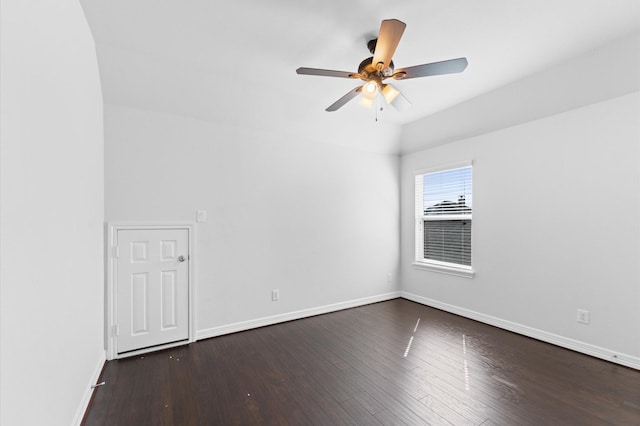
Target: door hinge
116,252
115,330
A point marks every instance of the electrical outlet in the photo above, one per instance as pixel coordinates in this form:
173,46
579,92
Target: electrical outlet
583,316
201,216
275,295
389,278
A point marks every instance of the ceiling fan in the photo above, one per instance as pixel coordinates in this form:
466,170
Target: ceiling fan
376,69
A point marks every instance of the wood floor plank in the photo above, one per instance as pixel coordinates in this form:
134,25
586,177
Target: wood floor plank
389,363
359,413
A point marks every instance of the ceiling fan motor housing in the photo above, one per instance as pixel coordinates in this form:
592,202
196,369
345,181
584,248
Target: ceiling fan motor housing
369,71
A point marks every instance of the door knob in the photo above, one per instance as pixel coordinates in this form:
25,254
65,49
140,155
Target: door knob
181,258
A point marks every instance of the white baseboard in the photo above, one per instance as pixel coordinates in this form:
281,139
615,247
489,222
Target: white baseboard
565,342
86,397
275,319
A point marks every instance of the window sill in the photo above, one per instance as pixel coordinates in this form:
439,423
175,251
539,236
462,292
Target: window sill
445,269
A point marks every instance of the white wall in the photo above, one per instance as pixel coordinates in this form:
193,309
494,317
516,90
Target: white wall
555,228
317,221
51,213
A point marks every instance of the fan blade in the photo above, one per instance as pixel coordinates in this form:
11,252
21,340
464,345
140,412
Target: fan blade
327,73
343,100
394,97
388,38
450,66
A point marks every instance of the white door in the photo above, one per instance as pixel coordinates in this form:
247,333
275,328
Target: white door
152,287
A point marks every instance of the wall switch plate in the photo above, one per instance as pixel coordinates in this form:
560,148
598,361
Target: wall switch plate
583,316
201,216
275,295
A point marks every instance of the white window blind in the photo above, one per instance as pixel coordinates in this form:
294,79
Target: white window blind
444,206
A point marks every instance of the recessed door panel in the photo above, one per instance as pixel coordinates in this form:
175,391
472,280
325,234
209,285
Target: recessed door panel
169,299
152,289
139,303
139,250
168,250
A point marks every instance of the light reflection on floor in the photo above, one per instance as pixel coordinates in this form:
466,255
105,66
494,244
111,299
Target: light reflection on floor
406,351
466,366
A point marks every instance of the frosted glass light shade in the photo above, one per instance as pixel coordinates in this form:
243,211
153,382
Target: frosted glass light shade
370,90
390,93
366,102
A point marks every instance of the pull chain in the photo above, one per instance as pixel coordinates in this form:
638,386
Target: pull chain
377,107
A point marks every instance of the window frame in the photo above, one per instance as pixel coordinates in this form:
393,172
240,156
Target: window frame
420,262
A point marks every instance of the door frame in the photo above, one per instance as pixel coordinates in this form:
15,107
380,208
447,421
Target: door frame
111,282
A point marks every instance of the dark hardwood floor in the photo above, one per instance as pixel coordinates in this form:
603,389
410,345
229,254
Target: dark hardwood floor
390,363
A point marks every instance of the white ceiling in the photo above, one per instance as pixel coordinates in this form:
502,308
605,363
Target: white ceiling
235,62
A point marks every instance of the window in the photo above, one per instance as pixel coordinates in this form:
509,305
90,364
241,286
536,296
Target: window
444,206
